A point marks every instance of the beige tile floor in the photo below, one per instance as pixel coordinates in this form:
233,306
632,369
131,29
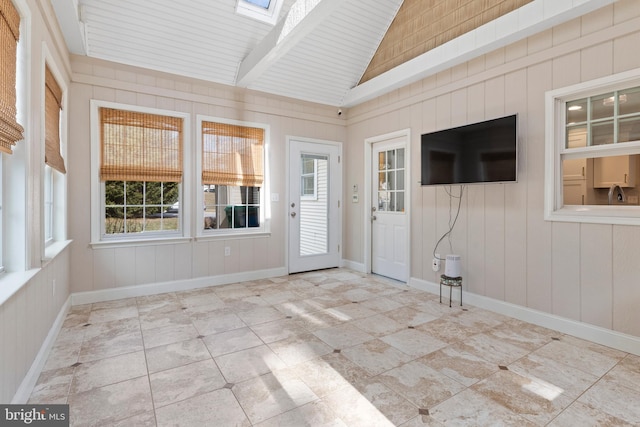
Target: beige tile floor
328,348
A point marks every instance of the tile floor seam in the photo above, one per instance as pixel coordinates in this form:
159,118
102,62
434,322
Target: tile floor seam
146,361
480,319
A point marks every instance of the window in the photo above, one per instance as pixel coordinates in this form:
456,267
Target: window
262,10
10,129
12,67
48,205
391,172
54,162
309,177
53,105
1,216
134,207
593,151
260,3
140,168
232,163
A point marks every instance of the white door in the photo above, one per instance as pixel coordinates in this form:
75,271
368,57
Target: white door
389,209
315,222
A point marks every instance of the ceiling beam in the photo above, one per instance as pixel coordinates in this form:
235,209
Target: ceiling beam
304,17
72,27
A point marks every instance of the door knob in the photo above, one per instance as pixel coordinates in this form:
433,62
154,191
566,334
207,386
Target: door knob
373,218
293,214
373,208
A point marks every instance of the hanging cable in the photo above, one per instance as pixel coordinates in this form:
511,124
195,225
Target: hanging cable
451,224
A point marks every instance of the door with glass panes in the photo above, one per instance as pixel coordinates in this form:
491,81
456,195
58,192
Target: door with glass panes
388,210
315,222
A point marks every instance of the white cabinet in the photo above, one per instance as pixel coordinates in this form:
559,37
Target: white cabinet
574,192
574,169
574,179
620,170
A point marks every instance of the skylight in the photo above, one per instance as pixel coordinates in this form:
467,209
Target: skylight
262,10
260,3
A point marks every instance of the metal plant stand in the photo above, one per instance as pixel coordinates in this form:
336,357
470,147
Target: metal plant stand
451,282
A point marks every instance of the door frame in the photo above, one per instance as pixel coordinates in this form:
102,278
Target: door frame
368,154
339,146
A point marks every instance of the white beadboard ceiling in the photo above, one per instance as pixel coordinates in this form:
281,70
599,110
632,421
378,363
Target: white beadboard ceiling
318,60
317,52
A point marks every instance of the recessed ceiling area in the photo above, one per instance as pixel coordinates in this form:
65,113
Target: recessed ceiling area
314,50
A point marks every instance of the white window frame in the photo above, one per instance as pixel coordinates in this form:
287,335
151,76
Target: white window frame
265,208
313,196
47,205
1,214
555,153
16,256
98,237
270,15
54,183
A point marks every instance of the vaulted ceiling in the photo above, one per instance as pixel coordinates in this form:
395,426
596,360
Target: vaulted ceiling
335,52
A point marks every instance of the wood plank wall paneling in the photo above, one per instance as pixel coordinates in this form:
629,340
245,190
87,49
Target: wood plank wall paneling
596,271
585,272
626,275
538,231
421,25
515,218
26,319
565,270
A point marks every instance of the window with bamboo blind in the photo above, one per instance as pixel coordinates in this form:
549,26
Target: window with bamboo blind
232,154
136,146
52,107
141,158
10,129
232,174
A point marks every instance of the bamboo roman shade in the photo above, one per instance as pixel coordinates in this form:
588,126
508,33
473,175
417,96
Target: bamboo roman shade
140,146
10,130
52,107
232,155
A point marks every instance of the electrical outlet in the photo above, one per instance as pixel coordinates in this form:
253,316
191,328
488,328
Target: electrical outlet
227,250
435,264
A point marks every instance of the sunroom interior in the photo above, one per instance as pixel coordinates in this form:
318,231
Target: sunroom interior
326,104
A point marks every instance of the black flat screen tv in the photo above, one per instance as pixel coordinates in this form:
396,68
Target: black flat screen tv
477,153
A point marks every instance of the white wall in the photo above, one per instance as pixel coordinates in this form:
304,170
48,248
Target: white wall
26,320
99,268
583,272
579,271
34,290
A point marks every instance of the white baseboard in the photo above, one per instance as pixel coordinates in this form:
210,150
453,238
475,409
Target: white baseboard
79,298
355,266
29,381
607,337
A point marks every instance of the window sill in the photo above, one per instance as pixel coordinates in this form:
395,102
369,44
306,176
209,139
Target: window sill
54,249
614,215
10,283
232,236
104,244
